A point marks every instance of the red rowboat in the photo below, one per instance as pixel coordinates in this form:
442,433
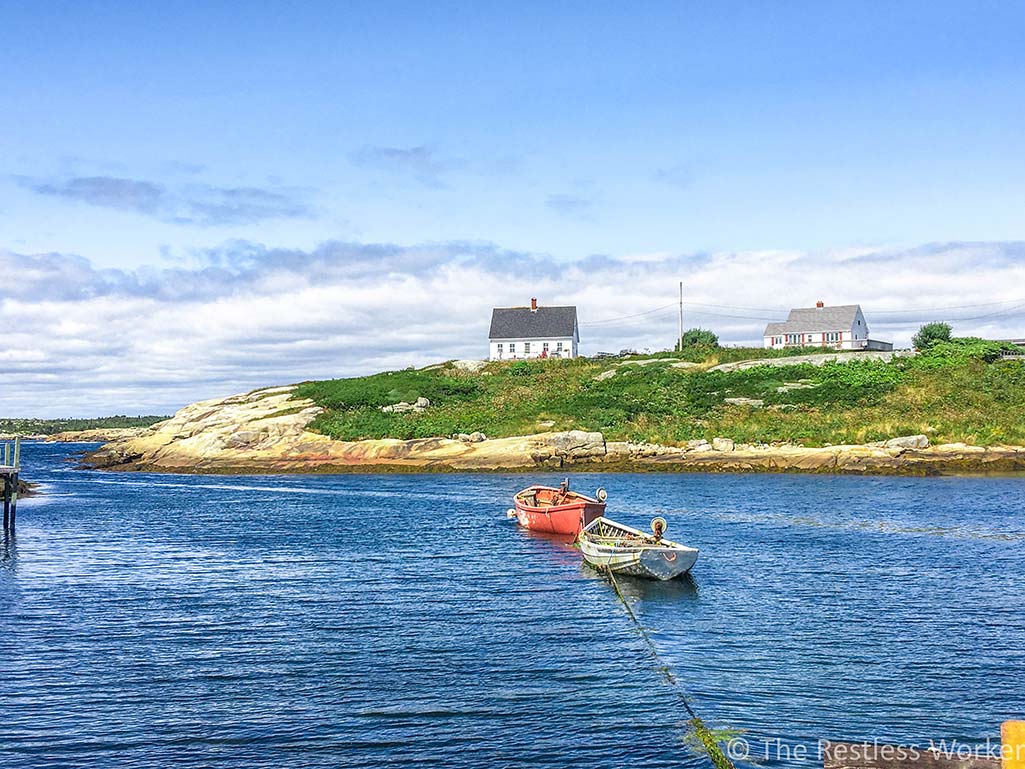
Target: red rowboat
557,511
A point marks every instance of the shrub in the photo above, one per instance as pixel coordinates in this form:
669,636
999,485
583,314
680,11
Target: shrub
930,334
960,350
387,388
698,337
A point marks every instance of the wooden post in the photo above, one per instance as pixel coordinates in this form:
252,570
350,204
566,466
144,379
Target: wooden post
679,342
10,483
14,498
7,503
1012,745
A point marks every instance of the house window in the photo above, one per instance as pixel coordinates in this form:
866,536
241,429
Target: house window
545,346
499,348
526,348
512,347
833,336
558,346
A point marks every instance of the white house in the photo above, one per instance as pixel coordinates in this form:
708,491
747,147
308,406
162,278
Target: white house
843,327
534,332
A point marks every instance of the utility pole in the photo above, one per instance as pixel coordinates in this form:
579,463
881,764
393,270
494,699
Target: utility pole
679,344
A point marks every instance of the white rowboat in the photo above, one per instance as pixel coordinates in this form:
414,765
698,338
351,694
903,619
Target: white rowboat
614,547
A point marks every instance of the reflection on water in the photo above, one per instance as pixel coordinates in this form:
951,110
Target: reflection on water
8,551
367,620
652,592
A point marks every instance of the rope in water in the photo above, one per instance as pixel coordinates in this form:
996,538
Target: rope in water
705,735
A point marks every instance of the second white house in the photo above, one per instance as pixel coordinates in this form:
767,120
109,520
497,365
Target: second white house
534,332
843,327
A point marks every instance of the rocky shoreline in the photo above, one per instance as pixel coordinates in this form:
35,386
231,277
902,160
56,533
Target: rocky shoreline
266,432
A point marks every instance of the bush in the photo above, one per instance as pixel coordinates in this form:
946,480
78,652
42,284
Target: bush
387,388
930,334
698,337
959,351
521,368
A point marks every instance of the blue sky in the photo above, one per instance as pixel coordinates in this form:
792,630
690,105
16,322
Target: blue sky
154,140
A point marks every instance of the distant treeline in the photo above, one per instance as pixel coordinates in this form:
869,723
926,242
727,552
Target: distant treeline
52,426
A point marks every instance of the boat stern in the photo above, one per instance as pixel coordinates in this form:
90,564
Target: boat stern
667,563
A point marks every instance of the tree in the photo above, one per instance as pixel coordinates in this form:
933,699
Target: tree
930,334
699,337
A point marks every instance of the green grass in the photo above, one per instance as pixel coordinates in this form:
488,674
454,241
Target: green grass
959,391
715,355
53,426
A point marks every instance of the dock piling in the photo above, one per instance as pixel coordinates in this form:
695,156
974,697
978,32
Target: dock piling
9,476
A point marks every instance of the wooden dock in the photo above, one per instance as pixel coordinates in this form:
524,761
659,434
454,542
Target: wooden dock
9,470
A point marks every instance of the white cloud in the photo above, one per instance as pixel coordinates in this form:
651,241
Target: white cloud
80,341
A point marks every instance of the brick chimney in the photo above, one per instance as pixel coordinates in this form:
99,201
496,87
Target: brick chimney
533,304
820,305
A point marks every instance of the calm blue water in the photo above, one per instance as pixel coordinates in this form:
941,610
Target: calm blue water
358,621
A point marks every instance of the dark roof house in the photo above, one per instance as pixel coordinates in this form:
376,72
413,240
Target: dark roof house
533,323
533,332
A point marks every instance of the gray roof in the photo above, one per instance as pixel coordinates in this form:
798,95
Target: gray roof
806,320
524,323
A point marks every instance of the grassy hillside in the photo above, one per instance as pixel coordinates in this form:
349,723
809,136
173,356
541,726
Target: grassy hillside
957,391
53,426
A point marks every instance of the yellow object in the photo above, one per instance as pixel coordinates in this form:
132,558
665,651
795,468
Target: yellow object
1012,740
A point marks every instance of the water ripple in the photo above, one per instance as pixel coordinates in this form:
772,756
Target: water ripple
366,620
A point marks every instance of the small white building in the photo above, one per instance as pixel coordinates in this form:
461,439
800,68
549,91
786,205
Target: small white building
843,327
518,333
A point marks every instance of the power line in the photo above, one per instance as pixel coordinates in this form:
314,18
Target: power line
661,315
942,309
995,314
729,315
627,317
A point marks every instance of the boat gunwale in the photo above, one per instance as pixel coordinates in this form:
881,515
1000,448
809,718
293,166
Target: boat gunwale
601,542
580,500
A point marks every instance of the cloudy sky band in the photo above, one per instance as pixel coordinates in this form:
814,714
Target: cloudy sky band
83,340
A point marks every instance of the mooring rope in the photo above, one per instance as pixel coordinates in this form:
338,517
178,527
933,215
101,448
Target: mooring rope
705,735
